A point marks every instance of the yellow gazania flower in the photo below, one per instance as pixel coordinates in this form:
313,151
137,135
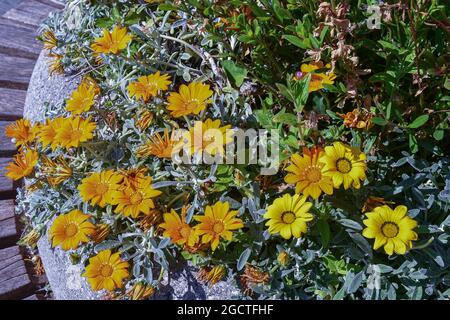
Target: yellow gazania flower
47,132
212,275
392,229
106,271
317,79
112,42
101,232
144,119
99,187
190,99
132,202
55,171
23,165
22,131
71,229
140,291
149,86
74,131
288,216
49,40
161,147
306,173
83,98
132,177
178,230
55,64
344,164
217,222
201,140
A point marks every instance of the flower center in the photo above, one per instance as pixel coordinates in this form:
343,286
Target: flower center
192,104
288,217
218,227
102,188
106,270
185,232
136,198
344,165
389,229
313,174
71,230
75,135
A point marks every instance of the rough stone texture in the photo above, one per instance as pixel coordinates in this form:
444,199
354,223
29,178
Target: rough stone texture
64,277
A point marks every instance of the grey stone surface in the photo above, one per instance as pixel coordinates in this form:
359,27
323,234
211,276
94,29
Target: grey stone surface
64,277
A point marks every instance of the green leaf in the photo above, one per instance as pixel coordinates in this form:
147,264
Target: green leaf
236,72
243,259
413,144
419,121
380,121
296,41
324,231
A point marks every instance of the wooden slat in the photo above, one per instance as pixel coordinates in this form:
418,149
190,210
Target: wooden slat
15,72
9,233
12,102
6,184
7,148
6,5
19,42
6,209
14,280
54,3
29,12
14,23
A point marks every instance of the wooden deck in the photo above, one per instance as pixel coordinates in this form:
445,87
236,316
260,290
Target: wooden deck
19,49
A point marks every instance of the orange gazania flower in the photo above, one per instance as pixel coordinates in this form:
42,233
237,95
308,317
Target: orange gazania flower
106,271
71,229
190,99
74,131
22,131
23,165
161,147
98,187
217,222
132,177
318,79
132,202
177,229
144,119
149,86
83,98
47,132
112,42
207,136
306,173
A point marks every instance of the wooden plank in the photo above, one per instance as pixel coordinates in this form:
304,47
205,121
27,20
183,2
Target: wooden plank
14,280
7,148
14,23
12,102
29,12
54,3
15,72
6,185
9,233
16,288
6,209
15,268
19,42
6,5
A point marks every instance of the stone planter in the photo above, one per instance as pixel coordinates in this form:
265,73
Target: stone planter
65,279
